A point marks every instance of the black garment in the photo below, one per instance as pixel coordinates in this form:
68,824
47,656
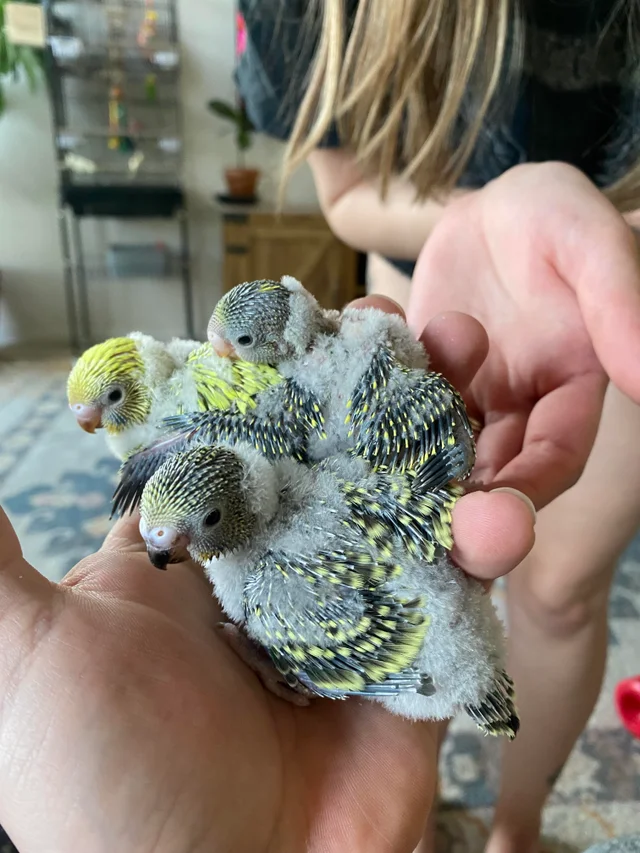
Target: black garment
576,101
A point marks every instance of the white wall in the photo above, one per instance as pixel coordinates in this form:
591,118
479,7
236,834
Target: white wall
32,308
32,305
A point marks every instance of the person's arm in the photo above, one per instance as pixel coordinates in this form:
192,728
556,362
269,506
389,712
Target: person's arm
397,227
633,221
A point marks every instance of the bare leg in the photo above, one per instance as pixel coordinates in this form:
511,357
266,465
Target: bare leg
558,622
259,662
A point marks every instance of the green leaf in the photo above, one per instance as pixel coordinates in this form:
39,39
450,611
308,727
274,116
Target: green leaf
239,118
11,58
224,110
4,55
245,122
31,66
243,139
2,100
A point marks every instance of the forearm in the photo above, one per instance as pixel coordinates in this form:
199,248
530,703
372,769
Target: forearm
397,227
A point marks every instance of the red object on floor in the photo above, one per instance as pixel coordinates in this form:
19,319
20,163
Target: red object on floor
627,697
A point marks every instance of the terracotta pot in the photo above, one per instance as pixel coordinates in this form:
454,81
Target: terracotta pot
242,182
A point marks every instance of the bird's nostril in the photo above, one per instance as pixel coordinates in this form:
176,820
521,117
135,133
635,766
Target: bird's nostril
162,537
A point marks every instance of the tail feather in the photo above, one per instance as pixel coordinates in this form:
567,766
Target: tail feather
497,713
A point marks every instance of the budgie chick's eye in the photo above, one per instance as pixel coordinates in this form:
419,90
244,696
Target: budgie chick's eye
245,340
212,519
115,395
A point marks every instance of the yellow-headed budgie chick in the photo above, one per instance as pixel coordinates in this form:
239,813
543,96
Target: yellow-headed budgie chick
314,565
378,398
128,385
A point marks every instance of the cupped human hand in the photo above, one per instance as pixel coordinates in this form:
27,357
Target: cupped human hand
126,722
551,270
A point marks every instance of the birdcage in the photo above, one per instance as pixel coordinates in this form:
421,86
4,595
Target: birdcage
113,71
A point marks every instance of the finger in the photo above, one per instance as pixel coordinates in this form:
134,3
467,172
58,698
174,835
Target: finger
20,583
493,532
607,285
457,345
382,303
499,442
559,436
125,535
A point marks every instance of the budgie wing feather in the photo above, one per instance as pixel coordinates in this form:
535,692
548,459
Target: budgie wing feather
400,417
282,427
343,635
399,508
497,713
139,467
238,390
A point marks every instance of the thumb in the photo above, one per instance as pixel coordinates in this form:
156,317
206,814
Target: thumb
19,581
25,597
125,535
608,291
595,253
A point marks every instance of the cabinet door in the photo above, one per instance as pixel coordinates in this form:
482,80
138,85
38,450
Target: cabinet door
304,247
237,252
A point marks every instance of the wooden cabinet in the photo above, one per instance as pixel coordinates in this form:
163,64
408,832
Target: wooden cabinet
260,244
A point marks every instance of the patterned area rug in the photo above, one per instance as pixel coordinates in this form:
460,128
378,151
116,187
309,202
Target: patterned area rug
55,483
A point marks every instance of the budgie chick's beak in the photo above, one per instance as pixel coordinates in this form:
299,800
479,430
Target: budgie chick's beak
164,545
88,417
222,346
215,334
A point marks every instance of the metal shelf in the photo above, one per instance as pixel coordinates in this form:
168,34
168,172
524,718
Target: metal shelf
107,132
96,66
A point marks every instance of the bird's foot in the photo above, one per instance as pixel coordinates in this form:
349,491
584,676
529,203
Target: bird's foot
259,662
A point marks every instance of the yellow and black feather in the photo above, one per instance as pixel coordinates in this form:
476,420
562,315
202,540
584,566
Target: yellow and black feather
371,653
282,430
411,511
239,392
399,417
497,713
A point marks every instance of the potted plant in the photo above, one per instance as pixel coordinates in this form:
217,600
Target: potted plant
241,181
15,59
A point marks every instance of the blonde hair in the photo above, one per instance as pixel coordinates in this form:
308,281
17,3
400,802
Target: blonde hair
396,85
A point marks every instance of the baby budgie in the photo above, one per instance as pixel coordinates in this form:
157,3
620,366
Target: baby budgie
377,396
332,583
128,385
279,418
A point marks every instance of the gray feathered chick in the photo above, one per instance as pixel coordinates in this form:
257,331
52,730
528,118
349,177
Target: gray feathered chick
316,565
371,377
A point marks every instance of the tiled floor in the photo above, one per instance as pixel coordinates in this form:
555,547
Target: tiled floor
55,483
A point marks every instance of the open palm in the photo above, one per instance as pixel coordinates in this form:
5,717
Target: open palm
124,718
551,271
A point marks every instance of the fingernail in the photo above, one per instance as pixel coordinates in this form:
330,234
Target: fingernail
518,494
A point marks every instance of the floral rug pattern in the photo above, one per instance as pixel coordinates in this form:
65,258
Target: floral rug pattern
55,484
